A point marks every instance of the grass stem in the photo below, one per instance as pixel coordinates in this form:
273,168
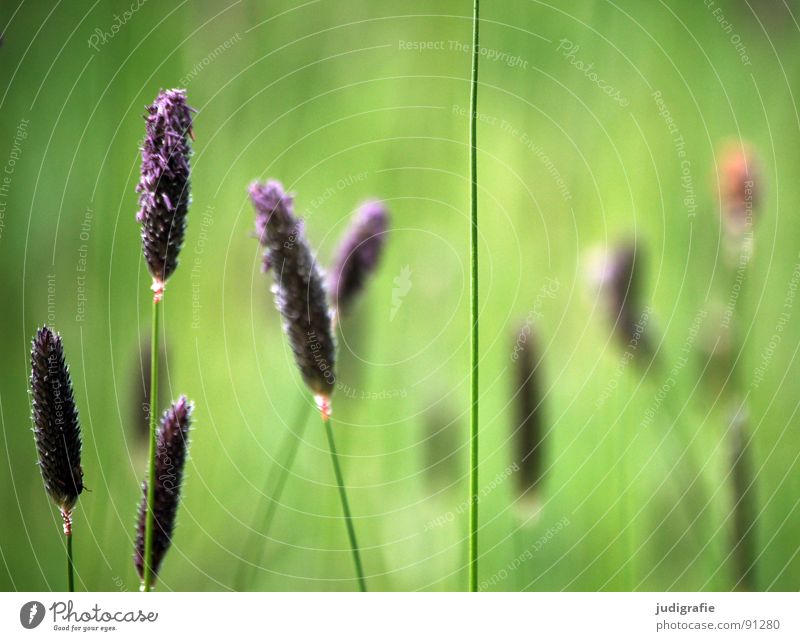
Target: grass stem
147,581
473,286
70,565
348,518
273,491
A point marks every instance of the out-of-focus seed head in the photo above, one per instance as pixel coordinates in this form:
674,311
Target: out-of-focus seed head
164,186
172,444
358,255
299,288
56,426
529,428
617,273
740,188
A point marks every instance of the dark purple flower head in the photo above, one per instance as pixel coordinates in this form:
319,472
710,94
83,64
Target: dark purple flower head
56,426
164,186
172,443
619,276
529,430
358,255
299,287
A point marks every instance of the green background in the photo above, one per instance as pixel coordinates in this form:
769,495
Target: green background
328,97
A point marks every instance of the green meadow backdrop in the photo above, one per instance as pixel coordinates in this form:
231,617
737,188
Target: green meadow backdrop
599,121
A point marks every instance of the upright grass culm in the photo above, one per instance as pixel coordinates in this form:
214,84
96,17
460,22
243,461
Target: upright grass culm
356,259
473,286
164,197
172,443
307,320
57,430
740,191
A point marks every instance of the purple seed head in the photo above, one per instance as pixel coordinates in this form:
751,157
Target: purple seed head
56,426
164,186
739,187
529,430
359,254
619,278
299,286
172,442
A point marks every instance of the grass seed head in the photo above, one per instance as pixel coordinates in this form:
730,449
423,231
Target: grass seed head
56,426
618,275
299,288
164,186
172,444
358,255
529,429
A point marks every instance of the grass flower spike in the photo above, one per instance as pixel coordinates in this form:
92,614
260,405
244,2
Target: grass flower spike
529,431
301,298
172,447
618,276
299,288
358,255
739,186
56,429
164,186
56,425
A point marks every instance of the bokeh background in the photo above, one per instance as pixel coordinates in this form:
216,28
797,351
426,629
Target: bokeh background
345,101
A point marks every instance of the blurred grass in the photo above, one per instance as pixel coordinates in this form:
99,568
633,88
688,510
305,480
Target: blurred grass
327,100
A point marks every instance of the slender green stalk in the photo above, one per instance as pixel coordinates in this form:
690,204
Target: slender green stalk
473,286
273,491
348,518
70,565
147,581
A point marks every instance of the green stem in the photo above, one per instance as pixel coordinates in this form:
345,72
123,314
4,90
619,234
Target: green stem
473,286
291,443
70,565
348,518
147,581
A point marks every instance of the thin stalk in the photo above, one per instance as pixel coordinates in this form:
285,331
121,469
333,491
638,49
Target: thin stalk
291,443
348,518
70,565
147,581
473,287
